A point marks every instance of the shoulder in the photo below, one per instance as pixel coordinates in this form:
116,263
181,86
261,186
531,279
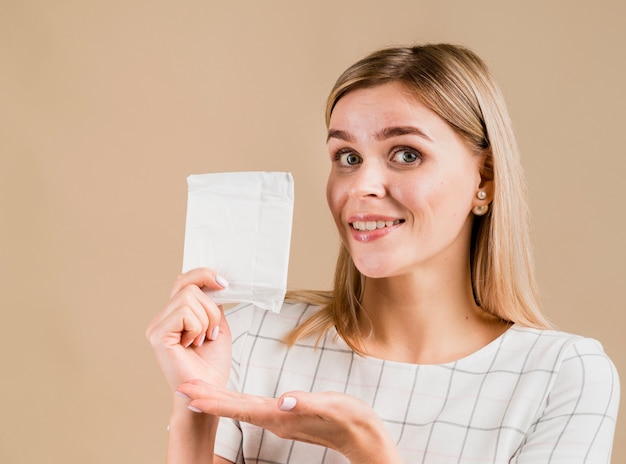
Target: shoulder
577,366
576,389
551,345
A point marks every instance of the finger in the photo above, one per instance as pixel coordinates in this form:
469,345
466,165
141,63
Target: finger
324,404
196,333
192,328
180,327
201,277
303,404
207,312
209,322
225,403
287,403
178,307
298,401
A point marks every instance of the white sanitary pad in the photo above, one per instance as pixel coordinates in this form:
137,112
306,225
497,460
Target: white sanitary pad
239,224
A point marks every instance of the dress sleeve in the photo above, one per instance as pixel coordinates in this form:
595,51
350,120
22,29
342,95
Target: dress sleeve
229,439
578,422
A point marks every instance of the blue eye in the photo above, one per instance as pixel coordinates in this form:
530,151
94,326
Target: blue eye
406,156
348,159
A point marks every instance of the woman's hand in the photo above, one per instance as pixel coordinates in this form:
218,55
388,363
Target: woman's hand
190,337
329,419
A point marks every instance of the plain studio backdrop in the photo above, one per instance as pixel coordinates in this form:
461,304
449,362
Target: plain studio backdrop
107,106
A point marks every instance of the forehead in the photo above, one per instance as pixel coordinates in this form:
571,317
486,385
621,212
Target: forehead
371,109
389,91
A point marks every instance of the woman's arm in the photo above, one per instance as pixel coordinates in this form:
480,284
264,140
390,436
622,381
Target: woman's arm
191,339
333,420
191,436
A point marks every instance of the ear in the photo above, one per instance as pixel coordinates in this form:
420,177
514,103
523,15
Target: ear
487,183
486,186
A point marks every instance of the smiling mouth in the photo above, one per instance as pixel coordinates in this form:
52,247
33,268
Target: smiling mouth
373,225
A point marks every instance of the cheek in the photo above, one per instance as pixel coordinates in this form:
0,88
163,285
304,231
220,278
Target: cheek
436,201
455,199
334,205
333,197
416,197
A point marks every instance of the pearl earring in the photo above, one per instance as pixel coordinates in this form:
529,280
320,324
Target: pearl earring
481,194
480,210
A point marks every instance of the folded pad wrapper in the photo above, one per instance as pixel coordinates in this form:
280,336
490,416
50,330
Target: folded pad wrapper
239,224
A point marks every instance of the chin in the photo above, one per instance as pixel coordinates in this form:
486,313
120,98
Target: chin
374,270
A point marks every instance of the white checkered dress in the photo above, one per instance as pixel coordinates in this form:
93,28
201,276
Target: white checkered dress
530,396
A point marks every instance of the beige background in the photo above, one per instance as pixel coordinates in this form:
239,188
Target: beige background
106,107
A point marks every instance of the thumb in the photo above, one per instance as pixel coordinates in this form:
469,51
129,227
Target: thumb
287,403
303,402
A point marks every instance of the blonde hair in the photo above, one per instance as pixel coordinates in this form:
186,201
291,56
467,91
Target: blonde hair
455,83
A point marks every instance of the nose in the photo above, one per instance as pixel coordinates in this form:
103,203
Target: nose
368,181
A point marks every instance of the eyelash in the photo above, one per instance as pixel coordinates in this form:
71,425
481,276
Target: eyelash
341,154
337,158
418,155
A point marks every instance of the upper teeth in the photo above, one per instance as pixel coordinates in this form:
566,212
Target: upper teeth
373,225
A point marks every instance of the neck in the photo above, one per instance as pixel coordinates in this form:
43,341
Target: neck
425,319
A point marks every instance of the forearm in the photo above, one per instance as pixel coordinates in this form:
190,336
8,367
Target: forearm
191,436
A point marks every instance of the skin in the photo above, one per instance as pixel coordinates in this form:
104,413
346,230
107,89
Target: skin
180,337
197,368
392,160
427,179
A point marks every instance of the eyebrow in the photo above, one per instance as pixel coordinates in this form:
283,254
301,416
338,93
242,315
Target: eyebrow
389,132
386,133
339,134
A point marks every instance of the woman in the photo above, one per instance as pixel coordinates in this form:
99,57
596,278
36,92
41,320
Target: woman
432,347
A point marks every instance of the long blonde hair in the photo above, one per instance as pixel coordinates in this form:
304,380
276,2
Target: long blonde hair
455,83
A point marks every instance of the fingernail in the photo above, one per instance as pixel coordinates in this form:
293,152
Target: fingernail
214,333
221,281
289,402
201,340
181,395
194,409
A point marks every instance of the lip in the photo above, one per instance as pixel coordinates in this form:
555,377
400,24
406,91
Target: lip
370,235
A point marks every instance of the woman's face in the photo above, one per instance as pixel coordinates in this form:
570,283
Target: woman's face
402,183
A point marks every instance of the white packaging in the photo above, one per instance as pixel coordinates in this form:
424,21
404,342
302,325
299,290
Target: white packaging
239,224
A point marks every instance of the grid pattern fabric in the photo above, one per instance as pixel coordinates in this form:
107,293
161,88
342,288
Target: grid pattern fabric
530,396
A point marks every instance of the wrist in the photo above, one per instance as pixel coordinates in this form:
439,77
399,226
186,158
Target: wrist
191,435
189,424
182,415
